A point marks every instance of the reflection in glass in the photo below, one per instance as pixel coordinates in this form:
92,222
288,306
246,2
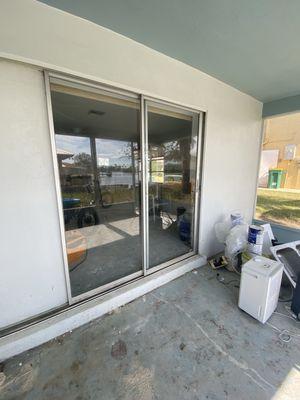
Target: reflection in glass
98,152
172,145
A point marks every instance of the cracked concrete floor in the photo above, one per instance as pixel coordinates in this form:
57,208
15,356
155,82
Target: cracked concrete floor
185,340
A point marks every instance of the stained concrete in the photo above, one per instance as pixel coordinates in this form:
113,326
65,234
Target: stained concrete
185,340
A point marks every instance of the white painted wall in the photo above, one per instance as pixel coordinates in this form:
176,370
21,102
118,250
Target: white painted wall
43,36
32,276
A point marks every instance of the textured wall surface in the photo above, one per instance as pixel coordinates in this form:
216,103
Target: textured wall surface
32,275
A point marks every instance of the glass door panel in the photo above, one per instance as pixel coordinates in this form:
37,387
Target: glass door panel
172,175
97,139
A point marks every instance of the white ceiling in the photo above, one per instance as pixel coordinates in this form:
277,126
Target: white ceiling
72,116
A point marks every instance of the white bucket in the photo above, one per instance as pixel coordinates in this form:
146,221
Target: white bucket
255,239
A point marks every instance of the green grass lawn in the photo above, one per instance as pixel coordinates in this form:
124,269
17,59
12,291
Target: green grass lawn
278,206
114,195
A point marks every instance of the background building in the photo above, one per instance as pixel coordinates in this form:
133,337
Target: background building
281,151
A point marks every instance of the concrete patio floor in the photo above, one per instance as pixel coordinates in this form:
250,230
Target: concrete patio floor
185,340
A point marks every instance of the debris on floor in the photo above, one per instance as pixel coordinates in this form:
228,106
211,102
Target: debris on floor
251,248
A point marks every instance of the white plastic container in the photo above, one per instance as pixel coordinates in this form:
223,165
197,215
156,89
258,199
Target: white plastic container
260,286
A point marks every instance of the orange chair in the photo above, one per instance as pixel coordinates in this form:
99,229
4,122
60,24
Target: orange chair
76,249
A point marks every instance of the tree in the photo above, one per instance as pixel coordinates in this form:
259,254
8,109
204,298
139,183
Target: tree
83,160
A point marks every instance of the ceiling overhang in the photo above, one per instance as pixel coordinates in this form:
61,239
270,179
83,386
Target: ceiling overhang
251,45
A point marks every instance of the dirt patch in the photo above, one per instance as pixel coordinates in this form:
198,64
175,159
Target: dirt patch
139,384
119,350
182,346
75,366
2,378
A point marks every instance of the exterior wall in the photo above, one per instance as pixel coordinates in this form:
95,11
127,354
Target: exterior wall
32,276
33,33
279,132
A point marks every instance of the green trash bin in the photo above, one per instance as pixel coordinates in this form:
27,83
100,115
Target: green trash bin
275,177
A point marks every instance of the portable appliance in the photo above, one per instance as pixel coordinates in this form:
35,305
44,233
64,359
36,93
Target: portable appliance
260,286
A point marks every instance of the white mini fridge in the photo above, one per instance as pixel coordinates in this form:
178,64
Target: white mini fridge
259,287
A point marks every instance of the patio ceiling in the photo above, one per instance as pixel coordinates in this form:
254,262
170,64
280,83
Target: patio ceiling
251,45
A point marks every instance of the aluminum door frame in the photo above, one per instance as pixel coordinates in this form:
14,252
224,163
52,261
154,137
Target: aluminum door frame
144,101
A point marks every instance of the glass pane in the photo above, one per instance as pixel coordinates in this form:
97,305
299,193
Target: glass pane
172,145
98,152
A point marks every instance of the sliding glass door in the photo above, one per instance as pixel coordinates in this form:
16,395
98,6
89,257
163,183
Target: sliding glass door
128,175
98,151
172,141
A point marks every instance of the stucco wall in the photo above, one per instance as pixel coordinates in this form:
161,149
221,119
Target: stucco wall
35,33
32,276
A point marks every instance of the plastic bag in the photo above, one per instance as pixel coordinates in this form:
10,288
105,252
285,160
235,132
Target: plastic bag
233,233
236,241
223,228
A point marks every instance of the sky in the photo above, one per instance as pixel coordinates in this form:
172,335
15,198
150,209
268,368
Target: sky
118,152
